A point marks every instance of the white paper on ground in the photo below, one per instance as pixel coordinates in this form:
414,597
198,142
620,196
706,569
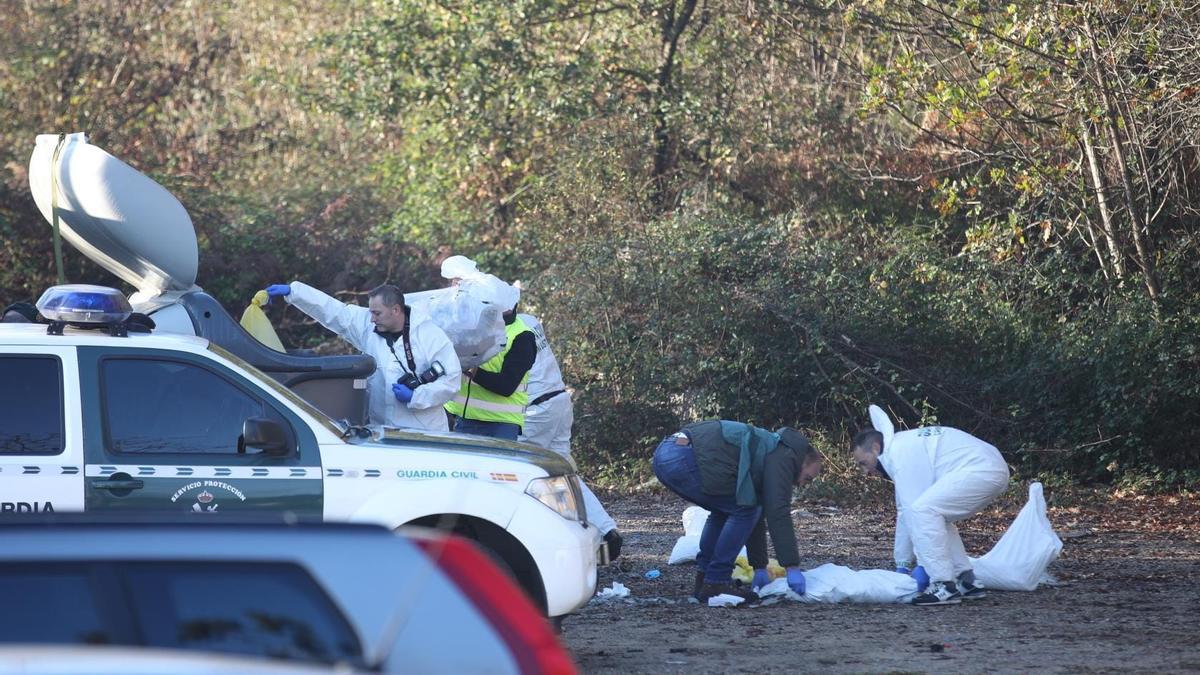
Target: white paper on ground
725,600
617,590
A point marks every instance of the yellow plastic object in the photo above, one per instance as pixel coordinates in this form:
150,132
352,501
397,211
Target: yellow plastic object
257,324
742,571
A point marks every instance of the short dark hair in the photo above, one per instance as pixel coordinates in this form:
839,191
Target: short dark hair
388,294
865,438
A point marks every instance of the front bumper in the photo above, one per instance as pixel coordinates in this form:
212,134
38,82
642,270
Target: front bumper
565,552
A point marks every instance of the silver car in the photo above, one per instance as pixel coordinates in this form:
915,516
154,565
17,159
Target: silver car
347,596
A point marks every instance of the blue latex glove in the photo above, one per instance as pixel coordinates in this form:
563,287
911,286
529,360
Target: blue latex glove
904,570
403,393
795,580
921,576
761,578
276,290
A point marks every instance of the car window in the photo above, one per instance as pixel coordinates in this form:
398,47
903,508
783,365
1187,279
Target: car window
160,405
31,405
56,605
269,609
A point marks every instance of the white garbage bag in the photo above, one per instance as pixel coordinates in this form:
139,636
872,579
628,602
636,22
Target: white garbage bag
688,546
694,518
1019,560
470,316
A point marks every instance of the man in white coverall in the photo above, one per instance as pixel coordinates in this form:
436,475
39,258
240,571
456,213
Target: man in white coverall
416,368
548,421
942,475
550,414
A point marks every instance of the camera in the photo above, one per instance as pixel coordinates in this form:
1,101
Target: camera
413,380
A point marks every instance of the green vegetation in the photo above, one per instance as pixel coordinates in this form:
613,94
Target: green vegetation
976,214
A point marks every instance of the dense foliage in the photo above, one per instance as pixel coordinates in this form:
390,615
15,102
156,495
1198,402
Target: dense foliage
976,214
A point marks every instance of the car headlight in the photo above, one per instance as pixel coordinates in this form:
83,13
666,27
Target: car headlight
560,493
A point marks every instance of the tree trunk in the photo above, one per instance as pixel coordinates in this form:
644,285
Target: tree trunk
1101,192
673,26
1144,257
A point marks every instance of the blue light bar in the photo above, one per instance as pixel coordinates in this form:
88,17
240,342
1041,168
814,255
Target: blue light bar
84,304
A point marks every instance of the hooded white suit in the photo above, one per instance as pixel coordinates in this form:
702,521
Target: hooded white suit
429,344
548,422
942,475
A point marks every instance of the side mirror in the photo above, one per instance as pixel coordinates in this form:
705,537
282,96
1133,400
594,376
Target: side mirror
266,435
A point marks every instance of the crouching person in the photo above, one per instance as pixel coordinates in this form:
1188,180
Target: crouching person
741,474
941,475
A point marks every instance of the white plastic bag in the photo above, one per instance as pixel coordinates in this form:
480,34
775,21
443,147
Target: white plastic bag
1018,561
474,324
615,592
688,546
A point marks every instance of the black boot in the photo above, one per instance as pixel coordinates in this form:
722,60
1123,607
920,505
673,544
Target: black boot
613,539
711,590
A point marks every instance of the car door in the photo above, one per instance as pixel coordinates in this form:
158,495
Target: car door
41,450
162,432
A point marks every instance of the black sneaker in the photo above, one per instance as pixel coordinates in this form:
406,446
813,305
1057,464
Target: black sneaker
613,539
969,588
939,593
712,590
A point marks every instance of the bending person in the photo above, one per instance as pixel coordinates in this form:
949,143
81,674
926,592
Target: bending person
942,475
740,474
416,368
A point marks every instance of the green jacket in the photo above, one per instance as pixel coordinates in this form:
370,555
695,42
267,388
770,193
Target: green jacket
770,471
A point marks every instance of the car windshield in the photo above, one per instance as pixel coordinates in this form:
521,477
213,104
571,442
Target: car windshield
333,425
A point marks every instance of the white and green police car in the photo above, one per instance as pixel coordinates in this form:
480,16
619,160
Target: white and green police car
97,415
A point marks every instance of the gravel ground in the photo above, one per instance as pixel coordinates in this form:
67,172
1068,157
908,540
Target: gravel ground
1127,600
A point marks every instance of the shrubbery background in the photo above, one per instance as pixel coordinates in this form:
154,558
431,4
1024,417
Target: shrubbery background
980,215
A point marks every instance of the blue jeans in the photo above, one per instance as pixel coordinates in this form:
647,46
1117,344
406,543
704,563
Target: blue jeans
508,432
728,527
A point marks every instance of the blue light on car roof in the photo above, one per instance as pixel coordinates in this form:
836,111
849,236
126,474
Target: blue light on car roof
84,304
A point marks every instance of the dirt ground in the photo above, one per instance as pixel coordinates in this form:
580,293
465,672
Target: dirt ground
1128,600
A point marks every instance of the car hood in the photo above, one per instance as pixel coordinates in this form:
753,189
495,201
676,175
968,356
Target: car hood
551,462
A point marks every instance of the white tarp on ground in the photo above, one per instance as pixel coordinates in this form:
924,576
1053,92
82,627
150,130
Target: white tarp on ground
835,583
1017,562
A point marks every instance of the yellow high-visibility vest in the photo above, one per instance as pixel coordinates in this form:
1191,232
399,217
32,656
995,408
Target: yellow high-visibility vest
475,402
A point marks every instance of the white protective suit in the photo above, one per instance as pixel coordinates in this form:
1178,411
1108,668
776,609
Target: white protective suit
429,344
548,423
942,475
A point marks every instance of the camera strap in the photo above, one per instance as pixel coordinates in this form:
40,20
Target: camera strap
408,353
412,363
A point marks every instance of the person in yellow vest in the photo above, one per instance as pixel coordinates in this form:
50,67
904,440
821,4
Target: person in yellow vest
492,398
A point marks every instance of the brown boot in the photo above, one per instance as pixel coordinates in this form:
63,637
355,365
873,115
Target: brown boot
698,584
